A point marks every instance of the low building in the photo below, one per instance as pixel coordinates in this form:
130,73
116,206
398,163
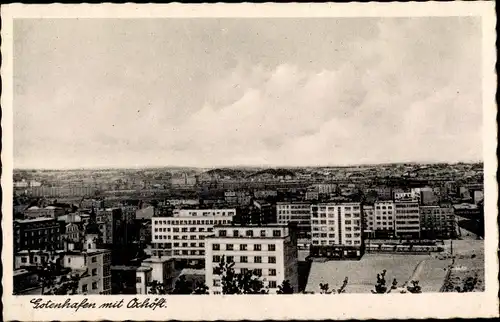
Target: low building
49,211
162,271
269,251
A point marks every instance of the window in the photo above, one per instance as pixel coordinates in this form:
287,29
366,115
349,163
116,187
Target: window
236,233
216,258
257,247
216,282
215,270
276,233
94,259
229,247
94,271
94,285
215,247
257,259
249,233
84,288
271,247
272,259
243,259
243,247
23,260
272,284
138,279
230,259
222,233
257,272
201,244
262,233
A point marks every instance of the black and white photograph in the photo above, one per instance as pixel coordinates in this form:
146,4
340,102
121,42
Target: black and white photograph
216,156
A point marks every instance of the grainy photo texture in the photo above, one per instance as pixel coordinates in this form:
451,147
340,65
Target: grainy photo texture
215,156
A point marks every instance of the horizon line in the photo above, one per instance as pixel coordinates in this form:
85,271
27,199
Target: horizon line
245,166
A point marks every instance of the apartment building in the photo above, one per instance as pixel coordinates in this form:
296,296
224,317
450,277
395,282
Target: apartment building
295,212
38,233
183,235
407,219
384,214
437,222
368,221
336,230
269,251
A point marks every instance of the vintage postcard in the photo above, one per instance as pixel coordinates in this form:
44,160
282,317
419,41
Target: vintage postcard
244,161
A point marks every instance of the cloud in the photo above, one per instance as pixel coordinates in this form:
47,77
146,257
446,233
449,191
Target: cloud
410,91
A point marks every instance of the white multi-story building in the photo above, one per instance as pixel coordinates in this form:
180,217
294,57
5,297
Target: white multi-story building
297,212
93,266
336,224
183,235
269,251
369,221
407,219
384,214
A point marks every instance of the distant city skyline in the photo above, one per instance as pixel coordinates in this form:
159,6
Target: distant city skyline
208,93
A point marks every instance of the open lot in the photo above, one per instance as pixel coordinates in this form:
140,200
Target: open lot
362,274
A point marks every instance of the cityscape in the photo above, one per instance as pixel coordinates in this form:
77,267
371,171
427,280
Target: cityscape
219,156
405,228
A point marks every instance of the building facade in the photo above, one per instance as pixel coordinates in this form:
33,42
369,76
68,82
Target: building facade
183,235
36,234
49,211
384,216
437,222
407,219
295,212
368,221
269,251
336,230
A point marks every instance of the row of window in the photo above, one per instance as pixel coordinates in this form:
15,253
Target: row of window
332,242
270,284
190,252
333,222
244,247
332,228
383,207
85,287
333,215
249,233
324,235
178,237
191,222
244,259
346,208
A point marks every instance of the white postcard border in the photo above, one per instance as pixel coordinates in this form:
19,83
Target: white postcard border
348,306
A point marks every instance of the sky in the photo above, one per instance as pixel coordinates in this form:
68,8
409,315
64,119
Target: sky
252,92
